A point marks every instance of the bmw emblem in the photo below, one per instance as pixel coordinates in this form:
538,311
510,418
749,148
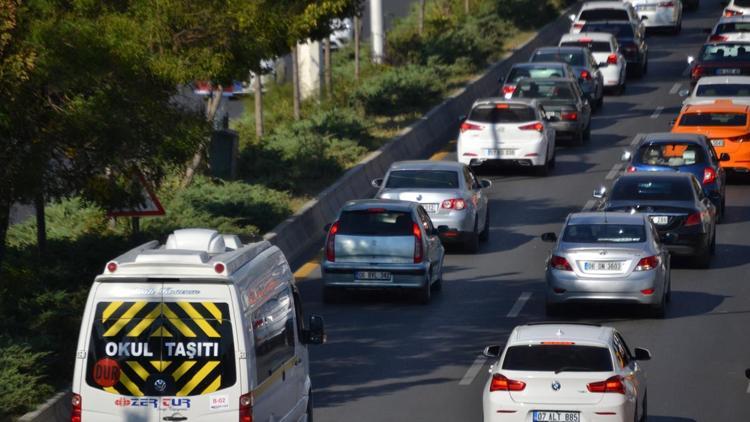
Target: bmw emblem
556,386
160,385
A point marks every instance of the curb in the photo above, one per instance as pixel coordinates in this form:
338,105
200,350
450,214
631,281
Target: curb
55,409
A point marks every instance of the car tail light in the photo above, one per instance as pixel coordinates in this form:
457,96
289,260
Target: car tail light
537,126
693,219
730,12
709,175
612,59
665,4
571,115
631,169
509,89
697,72
578,25
502,383
469,126
246,407
560,263
457,204
717,37
648,263
611,385
585,74
75,411
418,255
331,242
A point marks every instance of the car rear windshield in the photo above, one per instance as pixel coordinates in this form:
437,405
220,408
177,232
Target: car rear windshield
595,46
652,190
572,58
502,113
670,154
376,222
713,119
725,53
723,90
742,3
619,30
518,73
544,89
568,358
153,348
604,233
604,15
724,28
422,179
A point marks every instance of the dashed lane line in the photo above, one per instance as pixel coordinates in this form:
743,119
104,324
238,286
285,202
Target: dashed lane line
675,88
520,302
657,112
614,172
473,371
589,205
637,139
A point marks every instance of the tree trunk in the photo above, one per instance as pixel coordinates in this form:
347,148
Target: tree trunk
258,92
4,222
328,72
357,35
466,6
211,107
41,224
295,83
420,29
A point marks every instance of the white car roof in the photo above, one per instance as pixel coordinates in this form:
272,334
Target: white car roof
577,333
605,5
594,36
715,80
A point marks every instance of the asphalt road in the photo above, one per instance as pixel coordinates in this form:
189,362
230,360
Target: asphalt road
390,360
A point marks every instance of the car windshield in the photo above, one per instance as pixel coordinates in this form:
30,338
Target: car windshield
672,154
502,113
619,30
713,119
604,233
422,179
604,15
572,58
723,90
570,358
544,89
726,52
518,73
595,46
639,189
375,222
724,28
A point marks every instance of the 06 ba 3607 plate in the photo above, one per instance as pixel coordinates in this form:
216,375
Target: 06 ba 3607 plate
556,416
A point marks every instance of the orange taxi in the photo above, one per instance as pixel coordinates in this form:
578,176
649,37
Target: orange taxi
726,124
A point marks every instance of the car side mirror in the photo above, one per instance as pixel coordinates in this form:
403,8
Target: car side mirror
747,373
672,122
492,352
572,17
549,237
461,118
327,227
376,183
690,59
643,18
626,156
600,192
316,331
684,92
642,354
485,184
443,229
724,157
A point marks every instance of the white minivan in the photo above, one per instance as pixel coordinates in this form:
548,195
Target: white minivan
201,328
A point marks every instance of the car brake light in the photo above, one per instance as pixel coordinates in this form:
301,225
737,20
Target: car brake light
631,169
648,263
730,12
417,232
611,385
331,242
693,219
560,263
75,411
717,37
666,4
537,126
509,89
457,204
246,407
469,126
578,25
709,175
585,75
501,383
572,115
697,72
612,59
585,40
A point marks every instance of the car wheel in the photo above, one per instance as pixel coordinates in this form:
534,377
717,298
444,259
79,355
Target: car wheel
471,244
424,294
677,28
722,210
645,67
552,309
587,132
553,161
578,138
309,412
644,410
331,295
485,234
703,260
658,311
713,242
600,101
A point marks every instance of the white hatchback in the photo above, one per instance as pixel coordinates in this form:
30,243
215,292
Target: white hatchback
565,372
711,88
507,131
731,28
737,7
606,52
599,11
660,13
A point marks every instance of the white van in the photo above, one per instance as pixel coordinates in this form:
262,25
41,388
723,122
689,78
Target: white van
202,328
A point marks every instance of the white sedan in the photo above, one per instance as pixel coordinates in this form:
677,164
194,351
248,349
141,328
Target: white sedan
660,13
711,88
565,372
737,7
606,51
731,28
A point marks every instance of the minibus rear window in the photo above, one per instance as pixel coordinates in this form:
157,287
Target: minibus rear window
146,348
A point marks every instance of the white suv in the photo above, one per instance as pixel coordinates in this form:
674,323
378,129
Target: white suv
565,372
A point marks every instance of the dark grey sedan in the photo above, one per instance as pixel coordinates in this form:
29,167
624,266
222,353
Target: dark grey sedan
584,65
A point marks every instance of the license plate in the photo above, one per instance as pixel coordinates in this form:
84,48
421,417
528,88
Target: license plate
430,208
660,220
717,142
503,152
727,71
553,416
602,266
373,275
644,7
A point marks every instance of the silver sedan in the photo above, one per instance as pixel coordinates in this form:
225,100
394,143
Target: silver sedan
451,194
608,257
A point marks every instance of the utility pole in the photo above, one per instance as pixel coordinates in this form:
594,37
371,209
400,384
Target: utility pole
378,34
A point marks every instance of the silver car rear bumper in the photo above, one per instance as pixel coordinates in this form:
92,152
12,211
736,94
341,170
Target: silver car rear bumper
403,275
626,289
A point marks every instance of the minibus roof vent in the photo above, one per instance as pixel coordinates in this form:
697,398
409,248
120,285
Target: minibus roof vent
199,240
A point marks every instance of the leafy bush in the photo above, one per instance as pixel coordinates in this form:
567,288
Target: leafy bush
22,383
401,90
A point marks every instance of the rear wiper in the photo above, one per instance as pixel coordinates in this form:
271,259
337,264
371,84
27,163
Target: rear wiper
571,368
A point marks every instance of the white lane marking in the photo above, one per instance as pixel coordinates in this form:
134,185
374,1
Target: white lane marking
473,371
614,172
637,139
516,309
589,205
675,88
657,112
748,389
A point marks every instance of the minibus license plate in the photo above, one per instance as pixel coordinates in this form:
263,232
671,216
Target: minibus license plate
552,416
373,275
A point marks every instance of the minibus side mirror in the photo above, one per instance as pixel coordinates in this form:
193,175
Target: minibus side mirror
315,332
